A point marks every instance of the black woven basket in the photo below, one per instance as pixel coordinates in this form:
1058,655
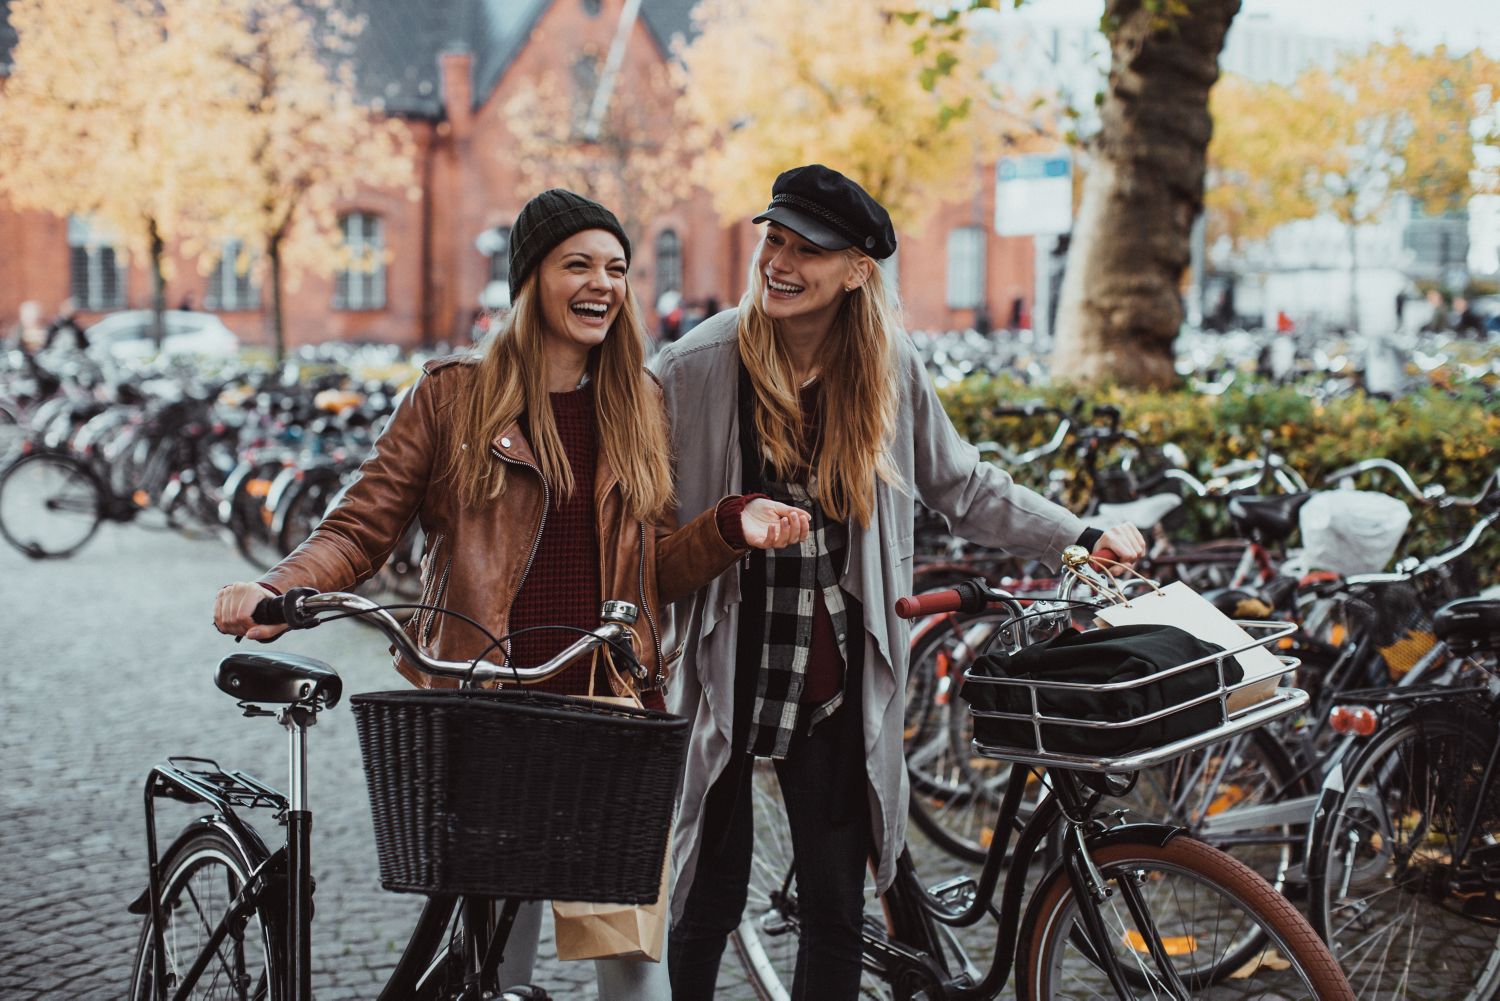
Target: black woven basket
519,794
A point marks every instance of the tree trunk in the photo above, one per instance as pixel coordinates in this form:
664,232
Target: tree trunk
1121,302
1353,277
158,285
278,331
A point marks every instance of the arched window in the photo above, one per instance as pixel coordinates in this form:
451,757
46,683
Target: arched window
668,262
361,284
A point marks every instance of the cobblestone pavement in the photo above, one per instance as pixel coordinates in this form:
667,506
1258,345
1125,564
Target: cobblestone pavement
107,669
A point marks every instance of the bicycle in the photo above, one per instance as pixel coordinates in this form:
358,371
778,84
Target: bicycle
1126,910
1402,865
227,916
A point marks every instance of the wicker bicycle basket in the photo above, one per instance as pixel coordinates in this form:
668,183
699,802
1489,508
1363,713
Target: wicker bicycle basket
519,794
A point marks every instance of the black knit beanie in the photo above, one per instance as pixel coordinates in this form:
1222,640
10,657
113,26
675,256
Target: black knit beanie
549,219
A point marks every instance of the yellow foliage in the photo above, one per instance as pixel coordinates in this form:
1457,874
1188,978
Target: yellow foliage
1387,120
637,164
770,84
199,119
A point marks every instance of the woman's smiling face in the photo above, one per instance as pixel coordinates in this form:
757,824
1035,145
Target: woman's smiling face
802,280
581,285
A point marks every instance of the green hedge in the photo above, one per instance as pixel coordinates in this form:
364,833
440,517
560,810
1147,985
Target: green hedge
1441,435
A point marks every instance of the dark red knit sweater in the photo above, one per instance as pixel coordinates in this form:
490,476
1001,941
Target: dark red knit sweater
562,586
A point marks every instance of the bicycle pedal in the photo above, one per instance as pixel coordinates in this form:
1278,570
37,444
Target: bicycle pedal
775,923
956,893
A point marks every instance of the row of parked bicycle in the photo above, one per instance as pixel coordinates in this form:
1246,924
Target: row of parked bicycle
1373,806
1377,806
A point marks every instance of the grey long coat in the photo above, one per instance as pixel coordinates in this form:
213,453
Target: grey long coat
699,375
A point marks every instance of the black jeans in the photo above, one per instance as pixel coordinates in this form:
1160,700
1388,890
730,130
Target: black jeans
823,787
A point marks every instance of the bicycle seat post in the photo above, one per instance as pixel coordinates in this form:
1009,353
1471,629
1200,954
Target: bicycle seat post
297,718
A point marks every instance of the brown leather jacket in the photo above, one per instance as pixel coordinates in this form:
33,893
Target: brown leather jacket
478,559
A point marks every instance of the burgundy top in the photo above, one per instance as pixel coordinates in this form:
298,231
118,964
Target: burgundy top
825,659
561,587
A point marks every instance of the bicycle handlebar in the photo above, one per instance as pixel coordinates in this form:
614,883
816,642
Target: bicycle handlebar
299,609
972,596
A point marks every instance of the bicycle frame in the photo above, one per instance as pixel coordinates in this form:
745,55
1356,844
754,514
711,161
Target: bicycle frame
918,916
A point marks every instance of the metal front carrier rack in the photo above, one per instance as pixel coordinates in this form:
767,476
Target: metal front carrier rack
1279,702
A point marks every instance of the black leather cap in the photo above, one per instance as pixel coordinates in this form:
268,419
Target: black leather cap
549,219
823,206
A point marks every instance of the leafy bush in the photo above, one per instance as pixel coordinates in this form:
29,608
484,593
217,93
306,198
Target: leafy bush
1446,436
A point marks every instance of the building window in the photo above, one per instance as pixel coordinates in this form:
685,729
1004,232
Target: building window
668,262
592,7
230,285
96,270
361,284
965,267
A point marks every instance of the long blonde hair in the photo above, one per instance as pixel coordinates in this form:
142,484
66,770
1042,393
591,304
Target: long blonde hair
858,365
511,380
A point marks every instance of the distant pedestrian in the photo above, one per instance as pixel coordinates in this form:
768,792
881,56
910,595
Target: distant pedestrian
1466,322
64,333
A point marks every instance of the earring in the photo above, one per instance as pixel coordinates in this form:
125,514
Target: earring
850,288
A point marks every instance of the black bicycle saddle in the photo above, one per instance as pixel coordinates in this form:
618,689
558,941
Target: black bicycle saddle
1469,624
1275,518
282,678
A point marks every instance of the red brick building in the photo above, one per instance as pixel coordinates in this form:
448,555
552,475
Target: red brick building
447,69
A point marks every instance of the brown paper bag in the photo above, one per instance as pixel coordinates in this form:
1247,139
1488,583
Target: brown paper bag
613,931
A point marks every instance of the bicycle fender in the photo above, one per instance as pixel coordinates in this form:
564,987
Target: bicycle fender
1148,833
252,850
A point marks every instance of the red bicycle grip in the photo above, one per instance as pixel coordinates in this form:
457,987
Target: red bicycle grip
1104,554
931,603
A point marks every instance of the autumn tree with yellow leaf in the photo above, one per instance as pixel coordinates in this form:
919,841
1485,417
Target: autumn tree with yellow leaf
769,84
293,141
1382,123
99,119
191,122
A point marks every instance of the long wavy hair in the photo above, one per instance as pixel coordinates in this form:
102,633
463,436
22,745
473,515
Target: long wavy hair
857,363
511,380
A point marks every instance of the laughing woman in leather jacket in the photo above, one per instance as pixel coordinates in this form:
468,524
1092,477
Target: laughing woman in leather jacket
540,474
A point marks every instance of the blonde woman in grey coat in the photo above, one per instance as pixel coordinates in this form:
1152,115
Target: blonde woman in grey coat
809,392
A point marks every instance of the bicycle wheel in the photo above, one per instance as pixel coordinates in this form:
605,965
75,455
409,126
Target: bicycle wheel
12,434
1396,907
1204,790
50,505
766,939
1198,900
200,877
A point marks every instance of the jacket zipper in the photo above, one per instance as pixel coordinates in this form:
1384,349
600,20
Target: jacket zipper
540,528
661,669
436,597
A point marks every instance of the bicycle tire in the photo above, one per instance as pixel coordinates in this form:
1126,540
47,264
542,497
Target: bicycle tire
50,505
1380,893
1052,967
247,965
1211,782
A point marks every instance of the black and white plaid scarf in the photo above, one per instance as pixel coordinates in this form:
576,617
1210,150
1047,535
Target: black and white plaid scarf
793,579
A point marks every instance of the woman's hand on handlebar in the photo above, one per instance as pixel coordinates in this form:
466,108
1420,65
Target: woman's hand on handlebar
233,610
771,525
1122,543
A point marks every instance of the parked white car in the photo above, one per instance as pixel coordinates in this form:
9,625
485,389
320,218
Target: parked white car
127,335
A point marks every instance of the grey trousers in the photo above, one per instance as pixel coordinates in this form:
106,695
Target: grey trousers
618,979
